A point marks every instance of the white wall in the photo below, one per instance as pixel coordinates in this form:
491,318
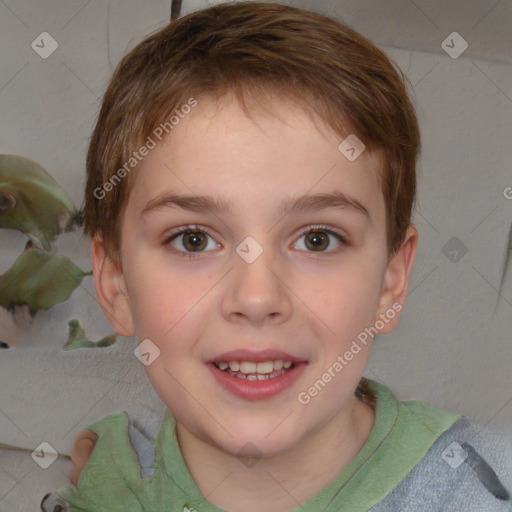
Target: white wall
453,347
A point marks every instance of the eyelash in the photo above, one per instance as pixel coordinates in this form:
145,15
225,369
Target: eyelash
197,229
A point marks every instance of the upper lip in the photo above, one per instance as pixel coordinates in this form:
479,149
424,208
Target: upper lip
257,357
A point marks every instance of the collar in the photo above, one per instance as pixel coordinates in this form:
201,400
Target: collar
402,434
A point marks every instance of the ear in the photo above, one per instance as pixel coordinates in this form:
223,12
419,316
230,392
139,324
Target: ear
396,281
111,290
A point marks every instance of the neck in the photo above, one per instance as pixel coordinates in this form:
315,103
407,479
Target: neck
285,481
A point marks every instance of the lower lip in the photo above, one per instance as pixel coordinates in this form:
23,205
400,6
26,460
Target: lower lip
257,389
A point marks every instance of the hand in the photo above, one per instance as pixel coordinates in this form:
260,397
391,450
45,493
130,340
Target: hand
82,448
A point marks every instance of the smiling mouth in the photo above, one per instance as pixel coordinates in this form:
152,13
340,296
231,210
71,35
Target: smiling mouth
248,370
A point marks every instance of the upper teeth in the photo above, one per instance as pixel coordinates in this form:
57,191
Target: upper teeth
252,367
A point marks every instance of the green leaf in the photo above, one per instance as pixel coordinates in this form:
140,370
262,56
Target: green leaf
77,339
39,279
32,202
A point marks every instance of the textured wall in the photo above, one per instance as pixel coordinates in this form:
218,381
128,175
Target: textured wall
453,347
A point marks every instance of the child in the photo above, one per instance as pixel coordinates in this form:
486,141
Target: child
250,183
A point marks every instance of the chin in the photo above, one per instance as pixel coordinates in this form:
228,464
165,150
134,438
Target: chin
256,448
250,438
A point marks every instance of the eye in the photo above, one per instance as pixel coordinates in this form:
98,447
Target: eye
188,240
317,239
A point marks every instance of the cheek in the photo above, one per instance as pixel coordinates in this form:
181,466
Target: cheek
344,306
163,298
351,293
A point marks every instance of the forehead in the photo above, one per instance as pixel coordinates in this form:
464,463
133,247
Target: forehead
279,151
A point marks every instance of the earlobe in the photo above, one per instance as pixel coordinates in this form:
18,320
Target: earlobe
111,290
396,280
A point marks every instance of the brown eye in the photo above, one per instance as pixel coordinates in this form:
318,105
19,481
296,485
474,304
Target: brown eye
319,239
194,241
190,241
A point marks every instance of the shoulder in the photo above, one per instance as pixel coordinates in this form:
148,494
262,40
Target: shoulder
116,450
468,468
85,445
129,434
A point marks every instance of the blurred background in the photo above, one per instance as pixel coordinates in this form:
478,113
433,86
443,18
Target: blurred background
453,347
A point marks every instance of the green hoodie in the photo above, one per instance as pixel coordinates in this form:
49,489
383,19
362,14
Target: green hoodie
402,434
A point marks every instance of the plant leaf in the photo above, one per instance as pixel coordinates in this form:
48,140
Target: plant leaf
77,339
32,202
39,279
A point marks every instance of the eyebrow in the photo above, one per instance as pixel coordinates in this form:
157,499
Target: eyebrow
305,203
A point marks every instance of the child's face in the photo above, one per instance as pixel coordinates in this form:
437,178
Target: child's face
305,295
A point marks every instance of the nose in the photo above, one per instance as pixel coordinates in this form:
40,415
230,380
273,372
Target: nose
257,291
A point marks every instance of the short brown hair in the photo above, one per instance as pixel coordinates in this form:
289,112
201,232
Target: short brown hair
255,48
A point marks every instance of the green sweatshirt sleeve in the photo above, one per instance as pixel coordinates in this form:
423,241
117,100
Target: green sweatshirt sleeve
110,480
